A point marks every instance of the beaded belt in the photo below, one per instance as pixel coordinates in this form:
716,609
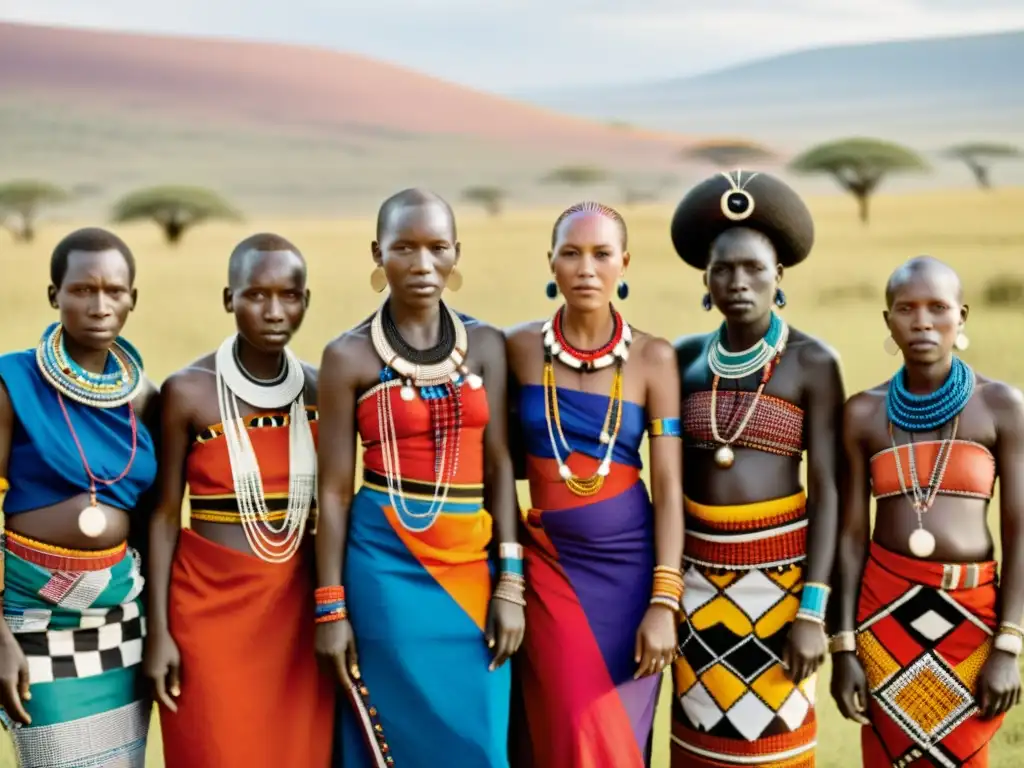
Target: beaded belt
62,558
224,509
761,535
422,489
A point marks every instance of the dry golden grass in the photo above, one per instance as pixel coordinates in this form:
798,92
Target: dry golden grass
836,295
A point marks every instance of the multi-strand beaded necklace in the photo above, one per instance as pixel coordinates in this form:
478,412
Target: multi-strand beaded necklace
96,390
615,352
437,374
925,413
765,356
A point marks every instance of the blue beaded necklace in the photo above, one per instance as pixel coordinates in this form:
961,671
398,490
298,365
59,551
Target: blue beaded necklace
121,381
926,413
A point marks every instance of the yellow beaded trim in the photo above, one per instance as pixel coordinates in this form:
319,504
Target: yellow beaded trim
63,551
216,516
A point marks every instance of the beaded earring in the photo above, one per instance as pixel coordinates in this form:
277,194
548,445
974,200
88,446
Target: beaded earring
780,298
623,290
706,302
551,289
890,346
962,342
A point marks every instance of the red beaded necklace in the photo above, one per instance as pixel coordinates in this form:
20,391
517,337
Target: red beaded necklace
93,479
588,356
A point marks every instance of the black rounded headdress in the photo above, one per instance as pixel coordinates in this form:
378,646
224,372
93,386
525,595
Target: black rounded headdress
750,199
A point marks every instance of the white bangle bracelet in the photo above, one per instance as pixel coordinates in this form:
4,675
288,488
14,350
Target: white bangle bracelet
1009,643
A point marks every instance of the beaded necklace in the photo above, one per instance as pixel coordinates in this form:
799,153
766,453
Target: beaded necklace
615,352
925,413
737,365
439,383
110,389
724,455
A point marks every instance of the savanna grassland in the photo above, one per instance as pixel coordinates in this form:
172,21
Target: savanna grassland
836,295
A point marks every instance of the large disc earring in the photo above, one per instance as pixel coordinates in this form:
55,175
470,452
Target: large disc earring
780,298
454,280
623,290
890,346
378,280
551,289
706,302
962,342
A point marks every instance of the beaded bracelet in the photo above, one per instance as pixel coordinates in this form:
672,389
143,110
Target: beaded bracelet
330,604
668,587
668,427
813,602
1010,638
510,588
510,558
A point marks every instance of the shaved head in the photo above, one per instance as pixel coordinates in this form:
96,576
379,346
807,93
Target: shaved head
922,268
409,198
249,250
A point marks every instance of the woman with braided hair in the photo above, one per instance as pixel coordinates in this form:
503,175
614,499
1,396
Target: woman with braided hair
759,549
602,563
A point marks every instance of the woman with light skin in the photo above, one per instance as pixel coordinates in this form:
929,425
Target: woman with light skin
602,562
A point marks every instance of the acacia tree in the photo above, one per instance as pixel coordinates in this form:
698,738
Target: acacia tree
858,165
173,209
490,198
978,157
20,202
636,189
576,176
728,153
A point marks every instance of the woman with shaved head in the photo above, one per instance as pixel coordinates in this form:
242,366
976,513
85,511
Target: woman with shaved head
758,395
230,650
419,604
926,656
78,459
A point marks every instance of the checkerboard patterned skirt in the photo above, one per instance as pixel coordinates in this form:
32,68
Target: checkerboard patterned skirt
733,704
78,619
924,631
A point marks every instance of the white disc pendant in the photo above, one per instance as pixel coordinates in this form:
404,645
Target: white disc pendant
408,394
474,381
92,522
921,543
724,457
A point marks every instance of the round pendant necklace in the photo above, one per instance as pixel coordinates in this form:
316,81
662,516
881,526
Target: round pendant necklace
92,521
922,542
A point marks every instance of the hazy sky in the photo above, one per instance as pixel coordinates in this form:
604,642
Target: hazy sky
515,45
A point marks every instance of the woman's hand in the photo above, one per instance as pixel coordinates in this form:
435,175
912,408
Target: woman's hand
656,640
336,644
13,678
506,625
161,664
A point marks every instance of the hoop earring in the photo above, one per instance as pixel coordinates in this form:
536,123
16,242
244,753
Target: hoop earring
706,302
551,289
962,342
780,298
623,290
378,280
454,280
890,346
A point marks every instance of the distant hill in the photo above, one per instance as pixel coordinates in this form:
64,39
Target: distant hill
923,92
276,127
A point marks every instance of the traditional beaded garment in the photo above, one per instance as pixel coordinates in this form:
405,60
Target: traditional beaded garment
777,426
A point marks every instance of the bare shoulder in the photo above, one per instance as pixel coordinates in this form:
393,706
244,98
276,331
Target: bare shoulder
348,347
1005,401
813,353
480,332
690,346
862,409
147,397
524,335
653,350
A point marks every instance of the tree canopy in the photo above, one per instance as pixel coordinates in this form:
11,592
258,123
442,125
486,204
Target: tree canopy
20,201
858,165
727,154
978,156
489,197
576,175
174,209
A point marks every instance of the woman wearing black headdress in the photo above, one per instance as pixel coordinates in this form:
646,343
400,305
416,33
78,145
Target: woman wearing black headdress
759,548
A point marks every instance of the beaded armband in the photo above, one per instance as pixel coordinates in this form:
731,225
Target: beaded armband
843,642
1010,638
511,578
330,604
670,427
668,587
4,485
813,602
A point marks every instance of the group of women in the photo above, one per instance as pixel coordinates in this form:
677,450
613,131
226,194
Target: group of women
293,616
